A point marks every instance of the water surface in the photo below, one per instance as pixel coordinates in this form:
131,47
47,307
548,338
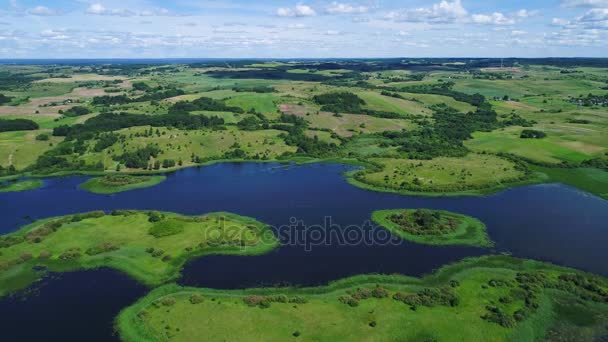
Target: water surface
554,223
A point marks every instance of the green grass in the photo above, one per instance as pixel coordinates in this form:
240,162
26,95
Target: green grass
552,149
469,231
21,148
591,180
182,144
125,241
472,174
120,183
23,185
167,313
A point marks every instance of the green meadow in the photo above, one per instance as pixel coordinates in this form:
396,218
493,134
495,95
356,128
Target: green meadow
150,246
494,298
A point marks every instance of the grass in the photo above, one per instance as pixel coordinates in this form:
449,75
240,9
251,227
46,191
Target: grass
591,180
474,174
469,231
119,183
207,144
22,185
21,148
170,313
552,149
125,241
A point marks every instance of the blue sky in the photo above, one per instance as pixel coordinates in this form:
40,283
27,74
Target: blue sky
291,29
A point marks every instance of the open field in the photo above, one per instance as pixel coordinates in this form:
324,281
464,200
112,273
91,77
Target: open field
21,149
475,171
452,304
151,247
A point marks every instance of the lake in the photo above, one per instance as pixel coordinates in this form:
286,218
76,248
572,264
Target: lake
322,221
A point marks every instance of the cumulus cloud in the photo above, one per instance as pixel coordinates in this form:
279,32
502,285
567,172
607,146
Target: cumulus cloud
99,9
443,12
344,8
495,18
299,11
585,3
42,11
524,13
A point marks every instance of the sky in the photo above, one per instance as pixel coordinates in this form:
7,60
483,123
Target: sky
302,29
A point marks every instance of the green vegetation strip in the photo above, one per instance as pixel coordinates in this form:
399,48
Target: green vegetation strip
151,247
14,186
494,298
119,183
433,227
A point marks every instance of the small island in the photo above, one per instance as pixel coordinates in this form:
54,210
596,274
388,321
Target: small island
433,227
150,246
118,183
21,185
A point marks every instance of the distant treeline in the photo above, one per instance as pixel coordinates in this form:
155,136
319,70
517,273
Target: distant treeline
346,102
205,104
108,122
444,88
107,100
446,135
268,74
17,125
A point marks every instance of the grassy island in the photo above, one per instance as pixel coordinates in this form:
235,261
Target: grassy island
150,246
118,183
433,227
23,185
494,298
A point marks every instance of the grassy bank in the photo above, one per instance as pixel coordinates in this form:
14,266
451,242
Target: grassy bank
591,180
23,185
151,247
459,229
495,298
118,183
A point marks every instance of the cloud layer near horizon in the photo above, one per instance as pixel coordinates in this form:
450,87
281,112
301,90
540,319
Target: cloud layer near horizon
239,28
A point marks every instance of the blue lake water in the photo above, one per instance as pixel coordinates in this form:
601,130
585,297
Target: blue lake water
553,222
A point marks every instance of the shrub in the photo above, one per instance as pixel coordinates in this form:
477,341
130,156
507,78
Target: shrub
43,137
168,301
532,134
44,255
102,247
166,227
70,254
196,298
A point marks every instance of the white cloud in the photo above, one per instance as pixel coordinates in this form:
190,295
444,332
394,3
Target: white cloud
99,9
596,14
443,12
299,11
54,34
524,13
585,3
495,18
42,11
343,8
332,33
518,33
96,9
